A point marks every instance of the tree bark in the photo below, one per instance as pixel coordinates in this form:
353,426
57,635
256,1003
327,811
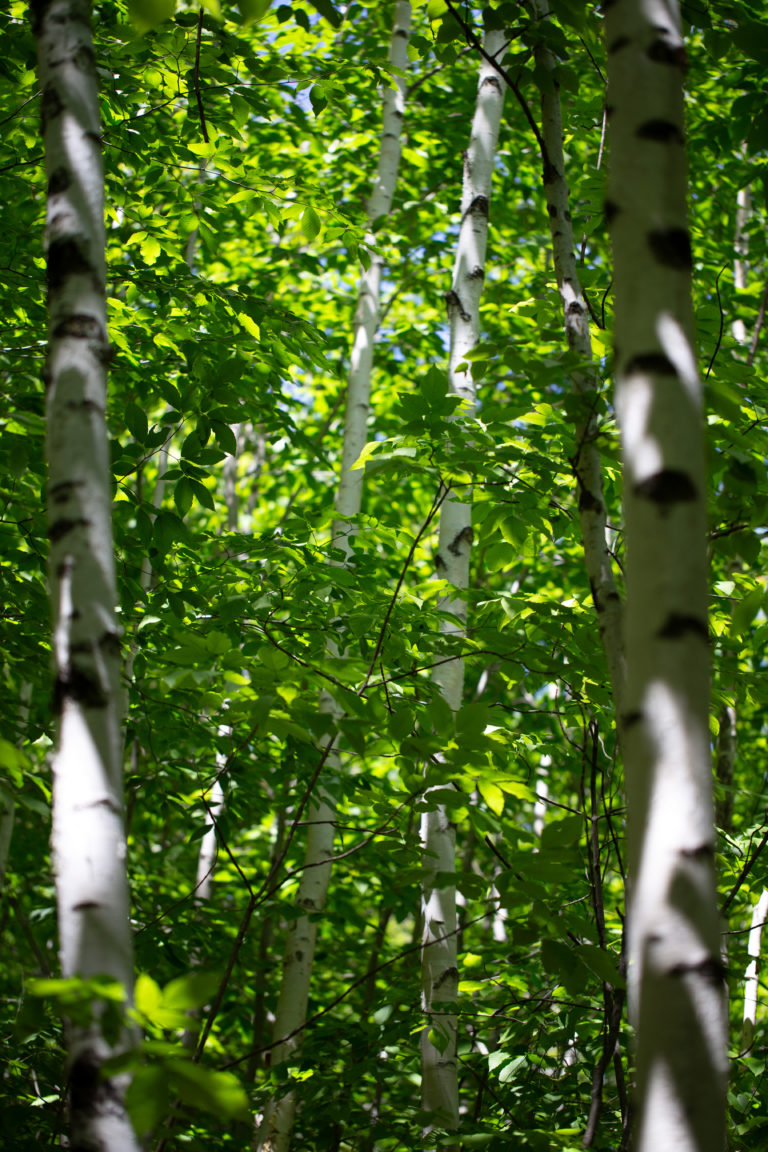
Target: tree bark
439,968
586,462
88,839
676,975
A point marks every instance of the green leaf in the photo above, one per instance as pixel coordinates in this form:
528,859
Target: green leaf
218,1092
493,796
150,249
147,14
191,991
327,10
136,422
602,964
251,10
12,762
310,223
147,1098
183,495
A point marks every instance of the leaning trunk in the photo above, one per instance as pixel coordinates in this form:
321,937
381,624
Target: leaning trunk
676,974
88,839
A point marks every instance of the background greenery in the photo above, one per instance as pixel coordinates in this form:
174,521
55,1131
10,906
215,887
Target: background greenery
236,184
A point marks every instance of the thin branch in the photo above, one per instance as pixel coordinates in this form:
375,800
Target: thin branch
196,77
475,43
748,866
722,323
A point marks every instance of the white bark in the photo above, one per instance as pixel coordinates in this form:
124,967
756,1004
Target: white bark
740,263
752,975
586,463
368,298
676,975
277,1123
88,841
439,968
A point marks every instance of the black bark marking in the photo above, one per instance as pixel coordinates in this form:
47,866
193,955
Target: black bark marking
59,181
62,492
51,105
611,209
60,528
439,562
549,172
575,309
712,971
588,502
84,1082
567,214
66,258
493,80
85,59
86,906
633,717
667,487
448,974
680,624
671,54
609,110
83,688
617,44
665,131
479,207
552,210
299,956
700,852
672,248
81,327
477,273
613,596
78,13
452,301
466,536
654,362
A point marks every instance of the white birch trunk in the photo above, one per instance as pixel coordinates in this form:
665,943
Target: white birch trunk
740,263
277,1123
587,465
439,965
676,982
88,840
752,975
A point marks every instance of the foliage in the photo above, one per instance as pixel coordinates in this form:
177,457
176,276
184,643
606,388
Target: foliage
239,144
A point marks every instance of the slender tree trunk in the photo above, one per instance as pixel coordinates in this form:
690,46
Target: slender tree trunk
439,967
277,1123
741,245
751,984
586,463
88,839
676,974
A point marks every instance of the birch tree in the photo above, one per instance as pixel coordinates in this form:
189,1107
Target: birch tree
439,966
676,975
88,840
277,1123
